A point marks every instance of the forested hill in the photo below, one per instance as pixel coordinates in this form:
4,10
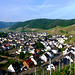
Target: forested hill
6,24
43,23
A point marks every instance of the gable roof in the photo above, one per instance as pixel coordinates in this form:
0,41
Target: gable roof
29,61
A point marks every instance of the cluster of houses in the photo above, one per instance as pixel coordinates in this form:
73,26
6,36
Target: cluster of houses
27,42
68,58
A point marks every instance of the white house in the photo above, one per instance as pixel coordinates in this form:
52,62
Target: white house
31,57
44,58
14,67
52,67
11,69
54,50
60,46
69,58
50,54
72,50
48,48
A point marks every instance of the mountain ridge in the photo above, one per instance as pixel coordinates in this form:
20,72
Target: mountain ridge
6,24
43,23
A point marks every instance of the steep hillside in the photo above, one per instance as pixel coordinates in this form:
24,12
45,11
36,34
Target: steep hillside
69,30
43,23
6,24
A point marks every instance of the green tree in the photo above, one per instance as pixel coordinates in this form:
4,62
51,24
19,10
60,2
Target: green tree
21,55
2,34
1,52
6,53
40,45
27,54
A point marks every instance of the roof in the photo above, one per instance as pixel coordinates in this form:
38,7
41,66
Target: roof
47,55
7,44
70,54
54,48
28,61
37,50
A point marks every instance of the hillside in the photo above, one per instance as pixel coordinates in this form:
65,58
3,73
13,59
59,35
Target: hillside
43,23
69,30
6,24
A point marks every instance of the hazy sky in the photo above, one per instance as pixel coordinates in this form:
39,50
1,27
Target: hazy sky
21,10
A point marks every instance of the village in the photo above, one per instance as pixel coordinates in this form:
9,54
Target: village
21,52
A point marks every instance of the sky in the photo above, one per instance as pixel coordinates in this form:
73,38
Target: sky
22,10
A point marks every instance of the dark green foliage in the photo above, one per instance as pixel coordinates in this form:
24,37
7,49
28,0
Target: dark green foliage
6,24
43,23
68,40
4,53
48,36
2,34
39,64
40,45
62,31
20,62
61,49
27,54
21,55
1,52
65,71
11,61
20,24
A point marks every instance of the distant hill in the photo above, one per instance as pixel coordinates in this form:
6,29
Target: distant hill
43,23
6,24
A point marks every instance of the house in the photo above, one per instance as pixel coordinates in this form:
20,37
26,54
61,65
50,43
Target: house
51,54
44,58
48,56
70,56
68,50
48,48
32,58
60,40
28,63
15,67
32,51
20,50
54,50
52,67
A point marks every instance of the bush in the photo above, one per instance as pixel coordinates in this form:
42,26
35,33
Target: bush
40,45
27,54
21,55
2,34
6,53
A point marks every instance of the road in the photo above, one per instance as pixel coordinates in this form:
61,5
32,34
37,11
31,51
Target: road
14,58
28,71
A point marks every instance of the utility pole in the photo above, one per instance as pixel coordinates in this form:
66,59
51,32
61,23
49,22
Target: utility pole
43,71
35,71
70,63
50,65
59,65
74,64
62,63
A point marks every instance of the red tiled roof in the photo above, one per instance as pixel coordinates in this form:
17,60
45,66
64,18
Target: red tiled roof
37,50
7,44
28,60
